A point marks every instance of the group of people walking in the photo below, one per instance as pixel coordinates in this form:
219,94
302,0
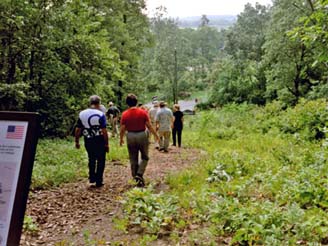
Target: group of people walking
137,124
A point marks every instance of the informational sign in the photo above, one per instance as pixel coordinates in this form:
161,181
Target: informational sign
18,138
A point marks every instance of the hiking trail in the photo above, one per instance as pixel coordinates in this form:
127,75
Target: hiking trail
65,214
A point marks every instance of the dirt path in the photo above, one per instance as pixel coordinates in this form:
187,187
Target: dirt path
66,214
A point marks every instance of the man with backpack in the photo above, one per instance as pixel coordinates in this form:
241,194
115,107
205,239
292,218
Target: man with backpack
92,125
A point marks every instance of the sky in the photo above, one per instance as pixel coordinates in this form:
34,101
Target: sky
183,8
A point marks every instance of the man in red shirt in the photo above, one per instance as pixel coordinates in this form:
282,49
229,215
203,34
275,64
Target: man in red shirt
135,121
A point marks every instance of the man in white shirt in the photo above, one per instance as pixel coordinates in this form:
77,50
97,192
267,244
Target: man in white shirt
92,125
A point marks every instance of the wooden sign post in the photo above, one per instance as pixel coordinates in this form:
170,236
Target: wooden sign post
18,139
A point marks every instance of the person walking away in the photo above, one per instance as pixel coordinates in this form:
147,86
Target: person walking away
164,121
152,114
177,124
92,125
135,121
113,115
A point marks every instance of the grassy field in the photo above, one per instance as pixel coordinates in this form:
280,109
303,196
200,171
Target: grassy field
264,180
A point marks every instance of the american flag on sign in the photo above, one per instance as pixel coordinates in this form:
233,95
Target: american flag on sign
15,132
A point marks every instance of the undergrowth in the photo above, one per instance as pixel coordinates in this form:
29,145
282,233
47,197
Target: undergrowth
264,180
57,161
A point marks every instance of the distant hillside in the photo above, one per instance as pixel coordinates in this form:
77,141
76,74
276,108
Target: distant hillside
218,21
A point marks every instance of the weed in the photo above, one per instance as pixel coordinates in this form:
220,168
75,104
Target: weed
146,240
121,224
152,212
30,225
57,161
88,241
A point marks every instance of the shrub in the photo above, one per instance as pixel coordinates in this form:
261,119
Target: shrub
308,118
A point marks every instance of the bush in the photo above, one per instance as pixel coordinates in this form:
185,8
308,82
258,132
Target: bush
308,118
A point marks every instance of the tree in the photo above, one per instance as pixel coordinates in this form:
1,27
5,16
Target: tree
288,59
204,21
206,44
56,53
129,34
181,54
159,62
239,74
313,34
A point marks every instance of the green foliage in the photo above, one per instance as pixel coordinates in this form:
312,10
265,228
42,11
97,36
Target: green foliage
307,120
121,224
147,239
237,83
54,55
30,225
239,74
273,53
289,73
184,55
245,39
152,212
89,241
313,34
218,175
277,189
117,152
56,162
